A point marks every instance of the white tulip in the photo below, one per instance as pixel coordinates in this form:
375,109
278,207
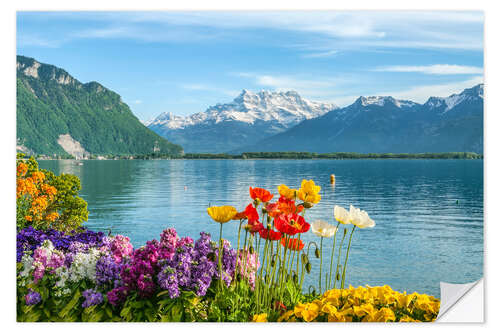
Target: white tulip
360,218
323,229
341,215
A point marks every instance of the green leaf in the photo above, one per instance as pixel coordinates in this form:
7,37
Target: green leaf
109,311
71,304
176,312
125,312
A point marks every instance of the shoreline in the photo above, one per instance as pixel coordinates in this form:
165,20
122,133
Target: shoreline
286,156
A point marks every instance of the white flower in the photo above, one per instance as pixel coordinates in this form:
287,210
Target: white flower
84,265
322,229
27,262
341,215
360,218
62,274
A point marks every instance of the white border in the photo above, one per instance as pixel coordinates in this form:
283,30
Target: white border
492,218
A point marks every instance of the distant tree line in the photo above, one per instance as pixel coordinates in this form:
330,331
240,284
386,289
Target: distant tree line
279,155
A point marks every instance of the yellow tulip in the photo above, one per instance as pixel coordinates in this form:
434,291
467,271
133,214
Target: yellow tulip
222,214
308,192
287,192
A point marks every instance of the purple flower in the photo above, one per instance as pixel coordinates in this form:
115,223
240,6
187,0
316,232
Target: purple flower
146,285
117,295
92,297
32,298
168,243
167,279
108,272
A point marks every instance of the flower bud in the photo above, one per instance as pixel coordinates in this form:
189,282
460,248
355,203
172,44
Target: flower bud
316,253
305,260
251,250
273,262
295,278
307,205
345,231
308,267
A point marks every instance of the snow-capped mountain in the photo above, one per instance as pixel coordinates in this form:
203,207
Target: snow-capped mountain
445,104
286,108
384,100
247,119
381,124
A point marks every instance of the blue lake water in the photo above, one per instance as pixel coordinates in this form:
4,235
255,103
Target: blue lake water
429,213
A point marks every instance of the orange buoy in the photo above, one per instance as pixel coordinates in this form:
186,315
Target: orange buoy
332,178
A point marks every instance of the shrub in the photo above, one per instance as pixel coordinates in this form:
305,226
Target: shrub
46,201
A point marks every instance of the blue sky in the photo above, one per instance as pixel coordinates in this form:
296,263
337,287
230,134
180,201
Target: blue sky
183,62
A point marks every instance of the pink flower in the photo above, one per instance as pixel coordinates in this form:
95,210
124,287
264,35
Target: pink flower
121,247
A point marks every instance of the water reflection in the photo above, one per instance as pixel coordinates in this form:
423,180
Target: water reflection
429,213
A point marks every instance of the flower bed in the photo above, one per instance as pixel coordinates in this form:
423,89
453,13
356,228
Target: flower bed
75,274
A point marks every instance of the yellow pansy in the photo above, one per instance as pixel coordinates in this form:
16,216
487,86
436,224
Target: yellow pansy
338,317
260,318
308,192
361,311
329,308
308,311
407,319
285,316
222,214
383,315
287,192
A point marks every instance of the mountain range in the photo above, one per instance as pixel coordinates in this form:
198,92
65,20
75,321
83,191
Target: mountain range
57,114
283,121
247,119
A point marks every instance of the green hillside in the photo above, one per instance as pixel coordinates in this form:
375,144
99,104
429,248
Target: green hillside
51,103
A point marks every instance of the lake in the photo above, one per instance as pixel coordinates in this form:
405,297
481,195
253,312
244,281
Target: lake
429,213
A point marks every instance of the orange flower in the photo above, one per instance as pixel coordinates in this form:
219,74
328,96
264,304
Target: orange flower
38,176
292,244
49,190
52,216
283,206
28,218
240,216
22,168
260,194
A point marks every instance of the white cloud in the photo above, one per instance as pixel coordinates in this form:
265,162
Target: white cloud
31,40
437,69
322,30
420,94
320,54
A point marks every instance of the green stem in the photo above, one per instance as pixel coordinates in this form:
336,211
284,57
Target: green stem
332,255
347,257
338,260
320,262
220,257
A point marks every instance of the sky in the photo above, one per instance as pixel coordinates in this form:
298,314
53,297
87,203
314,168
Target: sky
184,62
